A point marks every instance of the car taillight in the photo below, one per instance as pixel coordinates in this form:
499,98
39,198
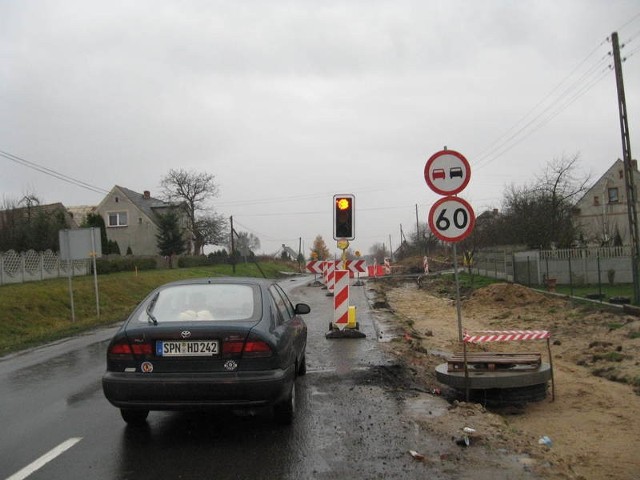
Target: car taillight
250,348
232,347
256,348
124,348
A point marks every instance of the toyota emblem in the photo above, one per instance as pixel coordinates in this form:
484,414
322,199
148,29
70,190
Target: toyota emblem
185,334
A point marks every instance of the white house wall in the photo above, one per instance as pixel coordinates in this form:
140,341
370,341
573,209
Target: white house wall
140,231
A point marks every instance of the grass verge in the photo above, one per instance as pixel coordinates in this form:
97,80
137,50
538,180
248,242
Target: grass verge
35,313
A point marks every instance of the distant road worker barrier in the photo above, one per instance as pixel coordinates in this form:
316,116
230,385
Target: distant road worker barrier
376,270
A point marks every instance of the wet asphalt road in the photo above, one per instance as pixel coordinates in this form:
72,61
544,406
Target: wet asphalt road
349,423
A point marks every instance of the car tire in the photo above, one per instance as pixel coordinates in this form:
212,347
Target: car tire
134,417
284,411
302,367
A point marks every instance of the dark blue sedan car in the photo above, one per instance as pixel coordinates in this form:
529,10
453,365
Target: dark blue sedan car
211,342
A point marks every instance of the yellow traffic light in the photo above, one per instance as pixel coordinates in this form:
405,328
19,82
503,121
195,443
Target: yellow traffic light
342,203
344,217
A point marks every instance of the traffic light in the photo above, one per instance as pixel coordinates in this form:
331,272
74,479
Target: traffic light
344,221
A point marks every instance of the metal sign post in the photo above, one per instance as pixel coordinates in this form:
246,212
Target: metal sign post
451,218
95,270
458,306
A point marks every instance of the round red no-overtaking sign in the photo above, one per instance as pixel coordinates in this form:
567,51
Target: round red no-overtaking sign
447,172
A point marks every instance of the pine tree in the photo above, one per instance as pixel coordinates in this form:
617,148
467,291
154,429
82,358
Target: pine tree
170,237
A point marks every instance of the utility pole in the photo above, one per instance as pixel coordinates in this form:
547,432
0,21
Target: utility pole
418,236
233,246
628,170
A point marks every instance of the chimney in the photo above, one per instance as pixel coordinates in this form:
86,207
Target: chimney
147,194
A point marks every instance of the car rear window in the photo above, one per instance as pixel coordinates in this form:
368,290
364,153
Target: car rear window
206,302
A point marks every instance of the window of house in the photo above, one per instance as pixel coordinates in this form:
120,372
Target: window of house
117,219
621,173
596,200
613,194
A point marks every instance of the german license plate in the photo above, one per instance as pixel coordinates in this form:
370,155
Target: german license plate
187,348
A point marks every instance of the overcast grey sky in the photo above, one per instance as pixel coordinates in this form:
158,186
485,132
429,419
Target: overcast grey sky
290,102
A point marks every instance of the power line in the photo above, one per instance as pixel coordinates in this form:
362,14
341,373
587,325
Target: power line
52,173
555,103
544,118
631,20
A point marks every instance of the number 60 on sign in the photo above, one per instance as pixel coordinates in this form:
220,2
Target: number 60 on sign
451,219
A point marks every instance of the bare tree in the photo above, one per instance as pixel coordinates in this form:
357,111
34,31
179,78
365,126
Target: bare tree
246,243
27,224
192,190
540,215
213,229
379,252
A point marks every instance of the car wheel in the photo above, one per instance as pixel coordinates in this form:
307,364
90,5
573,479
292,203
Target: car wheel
283,412
302,368
134,417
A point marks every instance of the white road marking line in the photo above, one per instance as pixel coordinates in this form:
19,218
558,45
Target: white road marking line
44,459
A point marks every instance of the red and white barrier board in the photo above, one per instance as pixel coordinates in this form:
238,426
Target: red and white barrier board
320,266
357,266
505,335
341,299
315,266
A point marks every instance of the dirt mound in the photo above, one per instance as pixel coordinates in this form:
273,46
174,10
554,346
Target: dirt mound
508,294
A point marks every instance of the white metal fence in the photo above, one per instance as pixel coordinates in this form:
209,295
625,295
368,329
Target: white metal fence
33,266
578,266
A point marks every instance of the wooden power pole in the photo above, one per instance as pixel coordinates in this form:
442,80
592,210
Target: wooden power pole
233,246
628,170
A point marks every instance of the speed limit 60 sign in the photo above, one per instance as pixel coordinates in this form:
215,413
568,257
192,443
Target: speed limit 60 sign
451,219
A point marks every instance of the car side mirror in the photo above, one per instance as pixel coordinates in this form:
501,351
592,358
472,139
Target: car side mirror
302,308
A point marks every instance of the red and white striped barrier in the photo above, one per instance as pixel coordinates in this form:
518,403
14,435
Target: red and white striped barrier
484,336
325,268
341,299
387,266
330,278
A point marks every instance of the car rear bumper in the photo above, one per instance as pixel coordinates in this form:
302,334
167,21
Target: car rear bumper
197,390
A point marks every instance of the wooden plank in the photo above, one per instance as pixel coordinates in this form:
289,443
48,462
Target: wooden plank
491,361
